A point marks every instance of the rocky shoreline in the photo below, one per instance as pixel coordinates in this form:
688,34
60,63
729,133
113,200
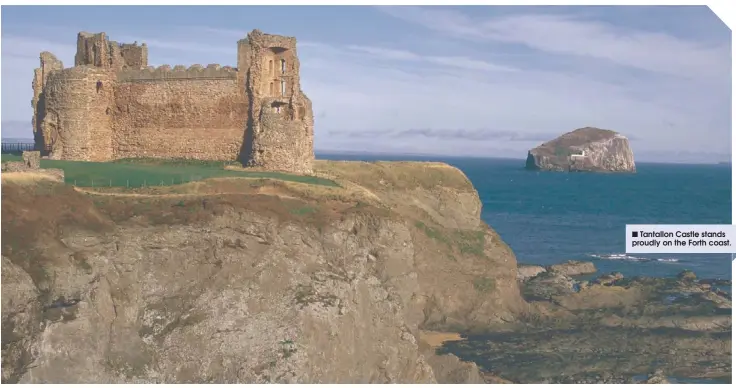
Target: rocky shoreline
611,329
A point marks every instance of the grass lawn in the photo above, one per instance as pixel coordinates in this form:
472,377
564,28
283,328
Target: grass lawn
10,158
155,172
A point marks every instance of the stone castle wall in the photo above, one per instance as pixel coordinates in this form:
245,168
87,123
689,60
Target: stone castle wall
179,113
112,105
178,72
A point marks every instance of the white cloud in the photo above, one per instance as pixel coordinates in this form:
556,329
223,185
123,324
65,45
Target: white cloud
403,55
468,63
568,34
154,44
386,53
16,47
223,32
656,52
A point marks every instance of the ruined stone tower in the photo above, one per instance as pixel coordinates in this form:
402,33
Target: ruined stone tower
281,124
112,105
95,50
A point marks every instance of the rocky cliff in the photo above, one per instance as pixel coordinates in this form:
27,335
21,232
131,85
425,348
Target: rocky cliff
254,280
584,149
247,281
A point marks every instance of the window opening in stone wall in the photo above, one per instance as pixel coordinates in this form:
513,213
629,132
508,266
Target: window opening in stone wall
99,86
283,87
276,106
270,67
283,66
271,89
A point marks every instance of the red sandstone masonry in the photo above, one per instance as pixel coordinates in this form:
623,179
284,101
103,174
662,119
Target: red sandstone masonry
182,118
95,50
283,127
178,72
112,105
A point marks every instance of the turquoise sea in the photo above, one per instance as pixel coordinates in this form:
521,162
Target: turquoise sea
551,217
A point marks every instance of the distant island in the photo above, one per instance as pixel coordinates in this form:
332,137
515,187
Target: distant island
584,149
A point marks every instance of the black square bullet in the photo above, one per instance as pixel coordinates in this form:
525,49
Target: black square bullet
634,234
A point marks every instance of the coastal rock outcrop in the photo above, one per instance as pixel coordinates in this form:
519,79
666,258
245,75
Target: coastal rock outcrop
584,149
657,377
30,169
573,268
526,272
546,285
621,330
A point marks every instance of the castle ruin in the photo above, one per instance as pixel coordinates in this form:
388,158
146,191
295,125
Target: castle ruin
112,105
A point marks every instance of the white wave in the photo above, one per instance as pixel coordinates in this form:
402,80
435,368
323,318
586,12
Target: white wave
623,256
618,256
668,260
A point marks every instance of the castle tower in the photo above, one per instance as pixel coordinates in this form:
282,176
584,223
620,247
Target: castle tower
281,124
92,50
95,50
77,124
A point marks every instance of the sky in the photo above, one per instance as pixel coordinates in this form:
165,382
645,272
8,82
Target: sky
478,80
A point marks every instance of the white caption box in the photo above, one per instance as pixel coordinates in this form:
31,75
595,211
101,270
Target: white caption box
681,238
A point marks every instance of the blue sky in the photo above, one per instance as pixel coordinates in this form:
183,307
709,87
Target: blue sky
483,80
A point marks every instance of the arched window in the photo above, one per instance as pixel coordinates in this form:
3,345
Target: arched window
270,67
283,66
283,87
271,89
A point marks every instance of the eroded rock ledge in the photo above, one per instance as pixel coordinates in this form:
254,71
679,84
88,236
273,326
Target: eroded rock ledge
611,329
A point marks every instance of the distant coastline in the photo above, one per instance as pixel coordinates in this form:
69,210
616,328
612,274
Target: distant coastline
16,140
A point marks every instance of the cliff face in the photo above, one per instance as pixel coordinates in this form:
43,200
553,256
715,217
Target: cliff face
270,282
584,149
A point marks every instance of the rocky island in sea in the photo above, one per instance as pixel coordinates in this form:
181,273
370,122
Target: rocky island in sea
584,149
